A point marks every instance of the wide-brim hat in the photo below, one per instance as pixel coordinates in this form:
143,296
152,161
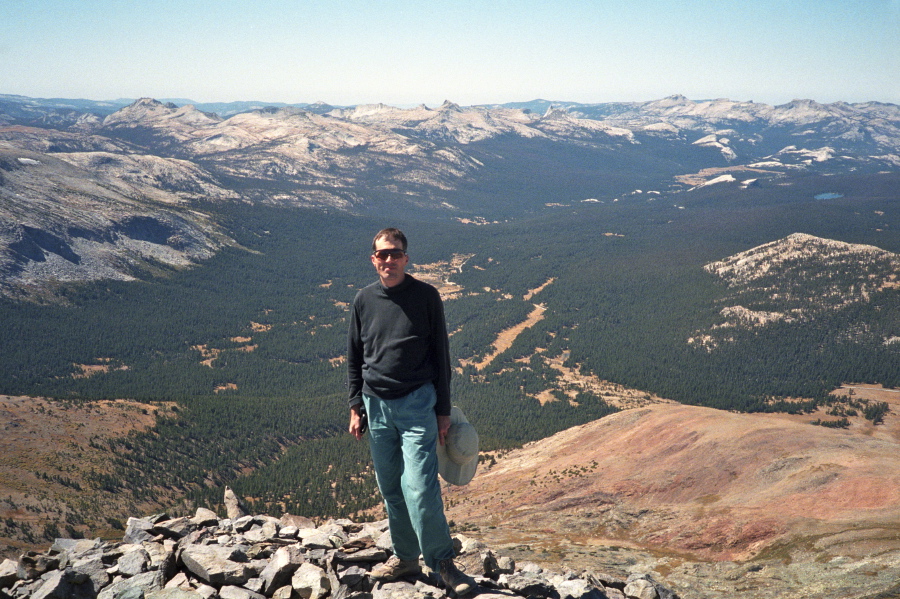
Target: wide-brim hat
458,456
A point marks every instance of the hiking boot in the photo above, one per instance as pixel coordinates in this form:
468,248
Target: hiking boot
395,568
456,581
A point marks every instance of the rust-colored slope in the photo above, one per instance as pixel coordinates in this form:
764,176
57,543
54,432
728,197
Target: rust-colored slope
681,478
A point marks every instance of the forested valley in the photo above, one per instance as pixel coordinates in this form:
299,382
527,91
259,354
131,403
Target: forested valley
248,346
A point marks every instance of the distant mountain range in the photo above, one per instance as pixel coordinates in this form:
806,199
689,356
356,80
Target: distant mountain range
94,190
23,107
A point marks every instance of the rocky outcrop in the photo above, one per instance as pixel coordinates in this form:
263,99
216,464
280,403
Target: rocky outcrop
99,215
255,557
799,278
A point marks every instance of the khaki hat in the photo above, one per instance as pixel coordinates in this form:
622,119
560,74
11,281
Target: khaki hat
458,456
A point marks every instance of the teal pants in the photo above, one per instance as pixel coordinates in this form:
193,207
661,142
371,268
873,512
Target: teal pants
403,439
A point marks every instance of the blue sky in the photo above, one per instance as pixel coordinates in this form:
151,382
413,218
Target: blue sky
471,52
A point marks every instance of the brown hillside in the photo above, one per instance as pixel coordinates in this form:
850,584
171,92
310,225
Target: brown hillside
48,451
714,484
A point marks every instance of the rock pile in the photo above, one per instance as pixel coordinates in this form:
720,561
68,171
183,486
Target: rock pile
257,557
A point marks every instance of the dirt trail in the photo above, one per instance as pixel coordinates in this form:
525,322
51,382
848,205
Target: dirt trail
506,337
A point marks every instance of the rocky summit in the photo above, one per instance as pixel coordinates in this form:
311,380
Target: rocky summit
257,556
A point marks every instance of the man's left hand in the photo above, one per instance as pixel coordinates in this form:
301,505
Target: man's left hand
443,428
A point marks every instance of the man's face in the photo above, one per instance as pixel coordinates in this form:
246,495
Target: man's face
390,266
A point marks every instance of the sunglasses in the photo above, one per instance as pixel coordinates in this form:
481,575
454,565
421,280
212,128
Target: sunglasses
383,255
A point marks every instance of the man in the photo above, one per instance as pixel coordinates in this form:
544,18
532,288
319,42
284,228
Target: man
399,372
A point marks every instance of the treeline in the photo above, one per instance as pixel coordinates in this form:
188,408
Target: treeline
267,413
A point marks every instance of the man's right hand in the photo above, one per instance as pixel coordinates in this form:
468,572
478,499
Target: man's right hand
355,422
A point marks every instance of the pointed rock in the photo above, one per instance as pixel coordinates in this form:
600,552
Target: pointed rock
233,505
489,565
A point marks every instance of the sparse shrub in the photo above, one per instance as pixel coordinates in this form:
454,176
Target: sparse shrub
842,423
875,412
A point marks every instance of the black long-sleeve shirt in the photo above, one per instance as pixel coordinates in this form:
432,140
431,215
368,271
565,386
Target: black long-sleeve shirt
397,342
